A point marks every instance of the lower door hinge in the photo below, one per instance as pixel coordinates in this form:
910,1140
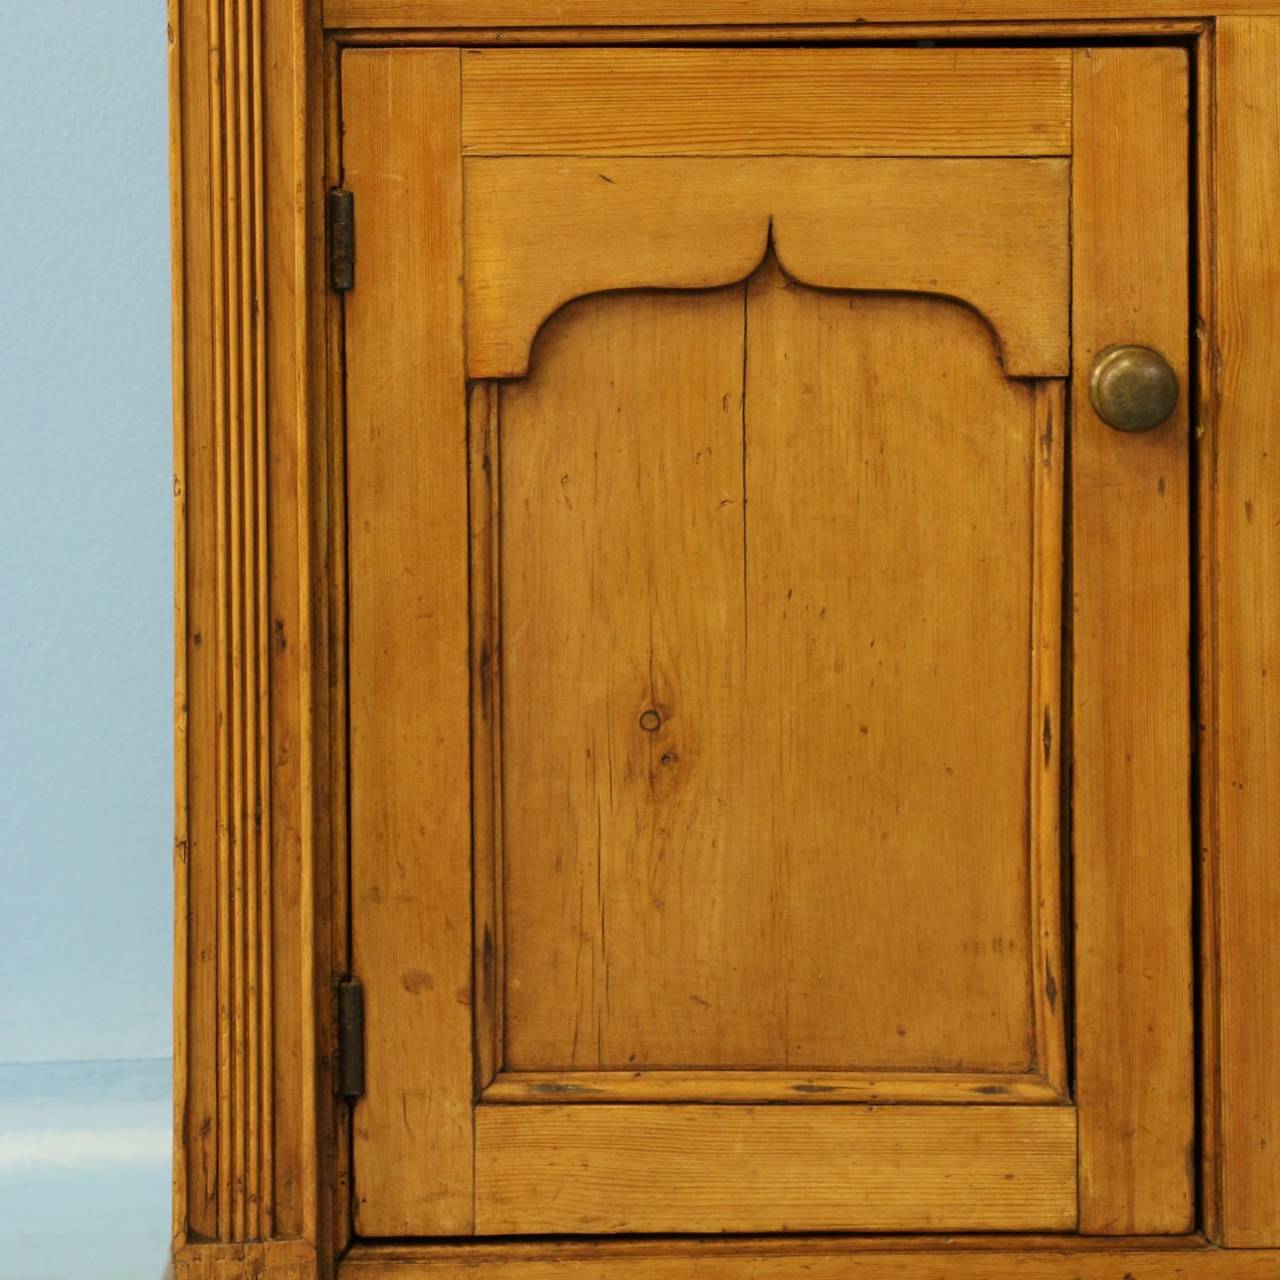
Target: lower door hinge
342,240
350,1038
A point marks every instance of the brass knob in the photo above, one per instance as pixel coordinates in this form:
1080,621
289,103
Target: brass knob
1132,388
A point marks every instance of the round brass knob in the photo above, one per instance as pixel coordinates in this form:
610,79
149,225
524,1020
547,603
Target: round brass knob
1132,388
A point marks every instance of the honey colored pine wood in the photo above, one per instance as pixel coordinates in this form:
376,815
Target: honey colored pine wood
254,1117
1131,643
488,961
870,1258
601,824
1085,31
542,231
770,876
987,1087
631,13
409,685
1244,1021
650,1169
249,117
766,101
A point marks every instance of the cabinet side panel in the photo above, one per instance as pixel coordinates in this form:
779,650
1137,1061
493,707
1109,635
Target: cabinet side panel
1245,621
244,1039
409,679
1131,685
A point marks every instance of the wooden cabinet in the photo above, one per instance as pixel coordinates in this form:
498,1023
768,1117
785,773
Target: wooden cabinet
670,634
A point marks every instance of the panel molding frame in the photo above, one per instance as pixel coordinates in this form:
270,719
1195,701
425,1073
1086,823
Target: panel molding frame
301,1230
1047,1080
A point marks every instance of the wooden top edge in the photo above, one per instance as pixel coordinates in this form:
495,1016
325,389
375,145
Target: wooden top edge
621,14
813,34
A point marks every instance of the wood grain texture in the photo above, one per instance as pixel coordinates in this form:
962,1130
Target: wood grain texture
983,1088
263,1260
1131,727
306,1172
616,1168
484,460
1048,715
869,1258
409,637
767,101
1244,617
794,529
542,231
630,13
1083,30
250,1089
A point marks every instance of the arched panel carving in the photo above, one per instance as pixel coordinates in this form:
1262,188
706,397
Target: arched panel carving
733,521
990,233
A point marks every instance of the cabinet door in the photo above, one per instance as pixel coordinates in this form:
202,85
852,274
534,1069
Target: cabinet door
768,677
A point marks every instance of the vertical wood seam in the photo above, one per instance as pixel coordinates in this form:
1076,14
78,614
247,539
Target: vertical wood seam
181,842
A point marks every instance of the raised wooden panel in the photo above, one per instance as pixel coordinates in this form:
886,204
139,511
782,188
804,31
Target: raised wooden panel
992,233
623,1169
1131,731
767,101
793,552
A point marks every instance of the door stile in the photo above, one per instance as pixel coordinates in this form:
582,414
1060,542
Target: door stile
409,636
1131,671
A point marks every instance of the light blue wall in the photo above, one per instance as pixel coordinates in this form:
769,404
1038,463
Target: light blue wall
85,531
85,638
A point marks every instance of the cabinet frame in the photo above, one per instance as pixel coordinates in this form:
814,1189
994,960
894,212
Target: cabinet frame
261,1139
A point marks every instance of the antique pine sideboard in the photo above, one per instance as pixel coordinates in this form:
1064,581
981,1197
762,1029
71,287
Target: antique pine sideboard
728,699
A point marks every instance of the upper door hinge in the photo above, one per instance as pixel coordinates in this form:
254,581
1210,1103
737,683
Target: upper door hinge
350,1038
342,240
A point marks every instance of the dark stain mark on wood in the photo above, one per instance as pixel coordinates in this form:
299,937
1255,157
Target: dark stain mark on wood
1046,440
485,665
416,980
488,968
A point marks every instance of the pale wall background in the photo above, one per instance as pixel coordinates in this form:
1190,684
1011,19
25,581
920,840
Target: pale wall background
85,640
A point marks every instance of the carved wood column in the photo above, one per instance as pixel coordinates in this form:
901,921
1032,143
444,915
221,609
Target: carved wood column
253,967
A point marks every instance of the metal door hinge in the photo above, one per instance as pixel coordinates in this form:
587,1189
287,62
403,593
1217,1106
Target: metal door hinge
350,1038
342,240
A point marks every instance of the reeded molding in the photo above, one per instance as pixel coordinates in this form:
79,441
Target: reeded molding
246,1120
